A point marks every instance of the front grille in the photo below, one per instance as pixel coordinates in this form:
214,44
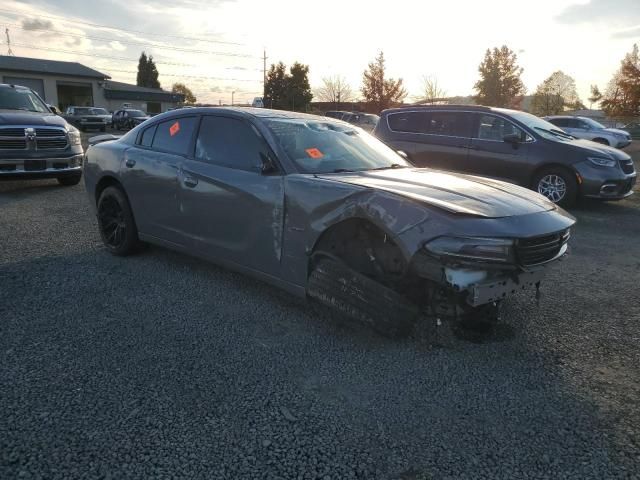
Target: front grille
532,251
33,165
7,168
13,143
11,132
627,166
50,132
51,144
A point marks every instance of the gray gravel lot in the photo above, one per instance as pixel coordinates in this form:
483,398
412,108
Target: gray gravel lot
160,366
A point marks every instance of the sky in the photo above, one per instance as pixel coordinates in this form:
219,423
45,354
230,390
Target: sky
216,46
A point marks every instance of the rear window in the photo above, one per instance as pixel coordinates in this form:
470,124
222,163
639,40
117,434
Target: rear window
174,135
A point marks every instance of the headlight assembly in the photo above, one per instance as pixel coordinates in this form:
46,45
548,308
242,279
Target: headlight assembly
74,137
602,162
478,249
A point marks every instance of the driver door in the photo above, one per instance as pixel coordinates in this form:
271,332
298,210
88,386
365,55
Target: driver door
230,209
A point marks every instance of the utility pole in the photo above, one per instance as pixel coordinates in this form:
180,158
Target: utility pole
9,51
264,73
232,94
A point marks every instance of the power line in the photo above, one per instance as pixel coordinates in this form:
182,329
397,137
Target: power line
194,76
159,62
195,39
144,44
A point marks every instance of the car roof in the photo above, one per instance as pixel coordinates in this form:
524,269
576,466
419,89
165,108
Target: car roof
479,108
249,112
11,85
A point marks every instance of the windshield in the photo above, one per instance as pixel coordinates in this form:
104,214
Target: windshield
592,123
324,147
136,113
19,99
541,127
99,111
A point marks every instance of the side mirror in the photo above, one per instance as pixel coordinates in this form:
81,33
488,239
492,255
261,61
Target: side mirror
513,138
268,165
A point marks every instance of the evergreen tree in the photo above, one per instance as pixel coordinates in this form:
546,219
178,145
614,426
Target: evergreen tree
380,91
500,84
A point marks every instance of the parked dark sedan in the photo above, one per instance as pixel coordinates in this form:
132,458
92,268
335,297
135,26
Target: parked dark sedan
323,209
128,118
509,145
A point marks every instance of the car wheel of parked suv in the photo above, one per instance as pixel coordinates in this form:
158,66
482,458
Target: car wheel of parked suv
115,221
69,181
558,185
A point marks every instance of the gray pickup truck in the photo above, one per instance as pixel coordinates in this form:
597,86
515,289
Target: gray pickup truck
34,142
86,118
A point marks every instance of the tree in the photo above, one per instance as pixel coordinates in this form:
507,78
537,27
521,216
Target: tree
431,90
298,91
276,87
147,72
500,84
181,88
596,96
288,91
335,90
378,90
554,94
622,96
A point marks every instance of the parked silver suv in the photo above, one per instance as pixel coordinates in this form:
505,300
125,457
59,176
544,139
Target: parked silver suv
589,129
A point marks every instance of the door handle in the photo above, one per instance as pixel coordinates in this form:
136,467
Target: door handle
189,181
130,162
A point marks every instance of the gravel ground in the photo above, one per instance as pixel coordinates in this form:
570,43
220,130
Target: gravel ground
161,366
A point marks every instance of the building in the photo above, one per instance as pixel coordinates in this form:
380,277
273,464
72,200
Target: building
70,83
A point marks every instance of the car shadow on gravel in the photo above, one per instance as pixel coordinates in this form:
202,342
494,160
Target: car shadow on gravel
15,190
163,364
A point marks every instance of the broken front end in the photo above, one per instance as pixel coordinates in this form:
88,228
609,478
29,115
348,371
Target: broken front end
465,273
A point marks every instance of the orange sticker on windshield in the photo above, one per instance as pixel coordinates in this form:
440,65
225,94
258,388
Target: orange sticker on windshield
314,153
173,129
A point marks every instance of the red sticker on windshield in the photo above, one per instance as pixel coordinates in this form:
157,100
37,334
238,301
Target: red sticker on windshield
173,129
314,153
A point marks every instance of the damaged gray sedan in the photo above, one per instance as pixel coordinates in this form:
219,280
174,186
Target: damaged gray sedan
324,210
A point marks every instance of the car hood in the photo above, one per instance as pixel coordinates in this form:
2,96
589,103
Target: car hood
140,119
594,148
454,192
13,117
616,130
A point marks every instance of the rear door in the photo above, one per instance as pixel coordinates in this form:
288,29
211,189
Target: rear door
491,156
436,139
229,209
150,176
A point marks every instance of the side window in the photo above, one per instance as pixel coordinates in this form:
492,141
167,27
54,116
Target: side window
560,122
496,128
409,122
448,123
574,123
175,135
147,136
584,125
230,142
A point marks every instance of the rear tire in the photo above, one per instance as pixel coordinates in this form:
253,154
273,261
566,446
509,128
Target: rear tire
117,226
69,181
558,185
335,285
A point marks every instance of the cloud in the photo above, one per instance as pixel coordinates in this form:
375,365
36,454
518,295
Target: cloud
629,33
117,46
31,24
608,12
